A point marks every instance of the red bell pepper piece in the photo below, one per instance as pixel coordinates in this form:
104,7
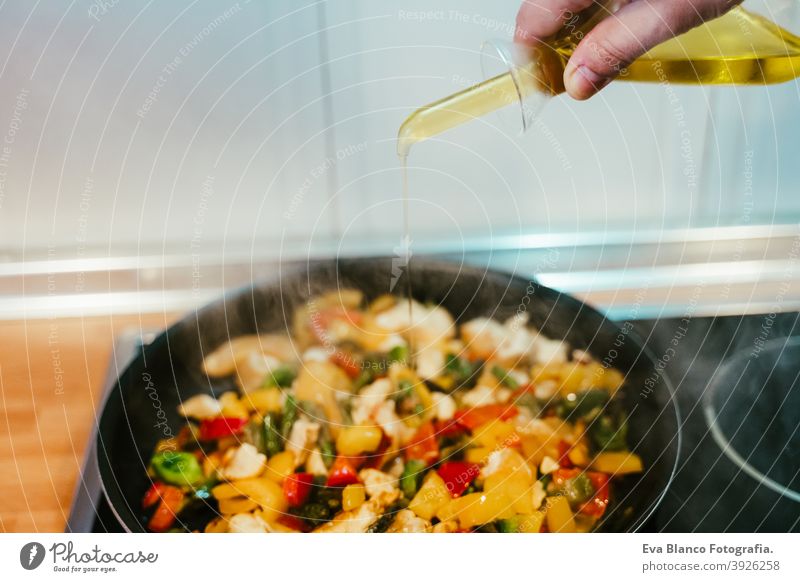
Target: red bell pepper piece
293,522
297,488
153,494
458,475
217,428
342,473
563,454
164,515
596,506
472,418
560,476
423,445
447,428
346,362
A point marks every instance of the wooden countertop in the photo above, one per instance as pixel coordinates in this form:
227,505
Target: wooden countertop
51,379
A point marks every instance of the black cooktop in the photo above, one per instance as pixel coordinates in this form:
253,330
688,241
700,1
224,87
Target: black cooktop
709,493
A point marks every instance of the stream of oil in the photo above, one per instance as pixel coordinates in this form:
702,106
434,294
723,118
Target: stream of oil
405,249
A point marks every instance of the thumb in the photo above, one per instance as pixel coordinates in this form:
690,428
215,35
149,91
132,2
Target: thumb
623,37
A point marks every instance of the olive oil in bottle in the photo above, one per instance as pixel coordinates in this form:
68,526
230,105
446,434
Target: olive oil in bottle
737,48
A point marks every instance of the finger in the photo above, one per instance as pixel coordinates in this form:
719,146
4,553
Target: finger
539,19
620,39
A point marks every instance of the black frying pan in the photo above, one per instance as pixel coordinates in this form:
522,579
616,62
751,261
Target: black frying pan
141,408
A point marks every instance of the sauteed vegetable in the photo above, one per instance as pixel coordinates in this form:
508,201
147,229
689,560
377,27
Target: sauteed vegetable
389,417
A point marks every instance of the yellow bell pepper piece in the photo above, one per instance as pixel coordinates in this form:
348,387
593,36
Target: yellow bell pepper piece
264,400
618,463
431,496
531,523
263,492
515,486
478,455
494,434
280,466
236,505
355,440
559,515
232,407
476,509
352,497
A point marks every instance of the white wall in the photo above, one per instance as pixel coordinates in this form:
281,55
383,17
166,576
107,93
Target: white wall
251,107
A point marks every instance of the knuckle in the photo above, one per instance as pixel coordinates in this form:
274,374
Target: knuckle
606,54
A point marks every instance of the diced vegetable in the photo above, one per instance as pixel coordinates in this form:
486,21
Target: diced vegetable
458,475
280,466
265,400
574,485
472,418
267,494
347,363
431,497
220,427
476,509
531,523
621,463
178,468
581,403
463,372
153,494
559,516
167,510
355,440
514,486
289,416
597,505
502,376
398,354
411,477
297,487
342,473
495,434
423,446
273,442
352,497
608,434
282,377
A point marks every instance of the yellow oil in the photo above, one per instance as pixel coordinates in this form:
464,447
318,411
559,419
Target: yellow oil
737,48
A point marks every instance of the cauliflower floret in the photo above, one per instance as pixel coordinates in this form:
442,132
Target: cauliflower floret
430,362
200,407
548,465
428,324
302,439
365,404
511,341
246,523
354,521
243,462
392,341
479,396
407,521
316,354
443,405
315,465
550,351
391,424
379,485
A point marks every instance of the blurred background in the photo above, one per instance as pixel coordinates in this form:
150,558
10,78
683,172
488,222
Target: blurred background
140,137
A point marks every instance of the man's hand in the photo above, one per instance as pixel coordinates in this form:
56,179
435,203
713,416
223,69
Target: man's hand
618,39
